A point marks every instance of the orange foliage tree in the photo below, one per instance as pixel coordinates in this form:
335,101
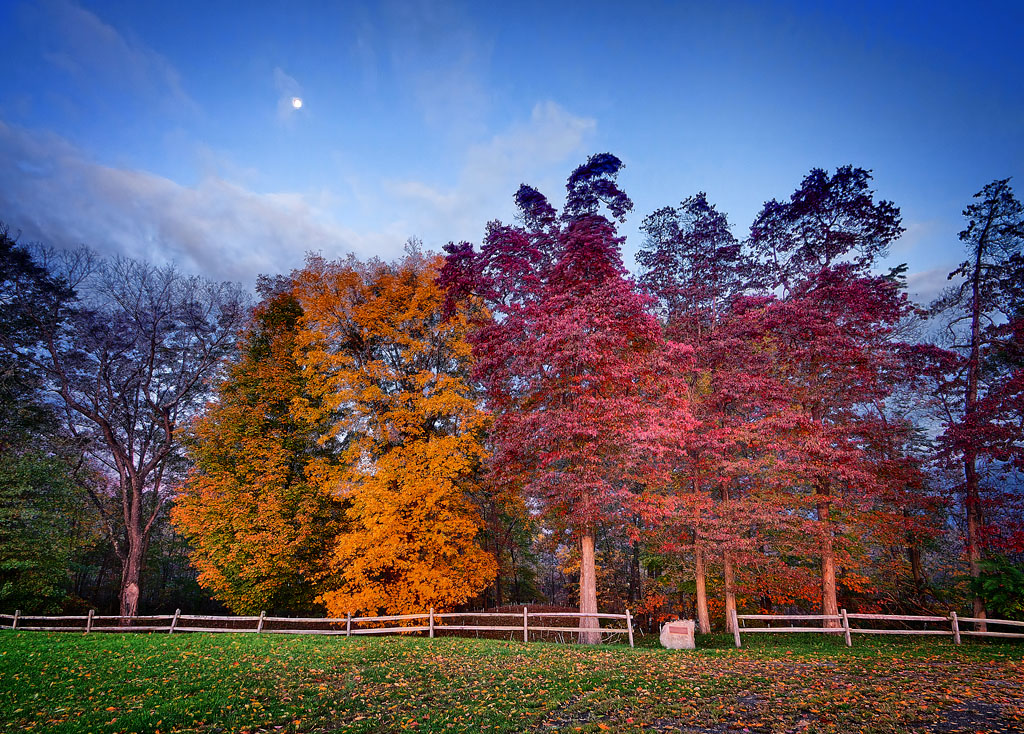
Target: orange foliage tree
260,530
394,375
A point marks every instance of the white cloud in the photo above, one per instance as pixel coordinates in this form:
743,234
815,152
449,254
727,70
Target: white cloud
925,286
53,193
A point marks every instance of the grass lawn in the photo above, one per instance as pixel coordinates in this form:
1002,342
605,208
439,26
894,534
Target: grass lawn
66,682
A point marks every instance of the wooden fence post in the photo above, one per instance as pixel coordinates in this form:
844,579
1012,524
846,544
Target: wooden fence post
174,622
259,625
629,627
14,624
956,628
431,621
348,625
846,629
88,622
526,624
735,627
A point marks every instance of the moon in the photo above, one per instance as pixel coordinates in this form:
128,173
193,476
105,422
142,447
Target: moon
296,102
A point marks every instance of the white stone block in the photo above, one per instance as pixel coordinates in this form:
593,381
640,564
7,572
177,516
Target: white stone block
678,634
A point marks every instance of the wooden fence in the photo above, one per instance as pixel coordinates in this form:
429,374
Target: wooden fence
431,623
461,622
847,630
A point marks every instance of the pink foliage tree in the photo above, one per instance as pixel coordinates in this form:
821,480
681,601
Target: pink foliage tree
587,409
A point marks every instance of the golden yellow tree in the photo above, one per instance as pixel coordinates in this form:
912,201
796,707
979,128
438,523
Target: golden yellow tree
380,355
260,528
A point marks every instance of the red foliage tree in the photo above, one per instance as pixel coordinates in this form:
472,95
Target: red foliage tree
574,364
827,348
693,265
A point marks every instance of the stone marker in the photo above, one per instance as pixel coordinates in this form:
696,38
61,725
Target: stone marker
678,634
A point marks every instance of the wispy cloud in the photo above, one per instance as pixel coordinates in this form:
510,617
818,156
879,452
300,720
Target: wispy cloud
364,49
53,193
288,90
56,193
919,234
924,286
99,57
539,151
440,59
921,244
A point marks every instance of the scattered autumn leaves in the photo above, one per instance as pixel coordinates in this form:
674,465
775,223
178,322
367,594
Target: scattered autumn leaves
203,683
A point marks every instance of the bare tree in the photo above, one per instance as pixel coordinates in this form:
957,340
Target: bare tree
129,350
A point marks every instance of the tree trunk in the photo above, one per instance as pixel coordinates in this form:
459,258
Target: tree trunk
829,600
131,573
916,564
99,580
730,589
493,524
700,577
917,570
588,590
137,531
973,532
972,488
515,574
634,572
497,587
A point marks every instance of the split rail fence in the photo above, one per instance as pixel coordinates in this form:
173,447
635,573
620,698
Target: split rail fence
431,623
848,630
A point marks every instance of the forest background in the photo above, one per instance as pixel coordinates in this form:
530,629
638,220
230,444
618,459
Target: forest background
765,423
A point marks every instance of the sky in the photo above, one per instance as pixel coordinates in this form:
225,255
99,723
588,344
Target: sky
166,131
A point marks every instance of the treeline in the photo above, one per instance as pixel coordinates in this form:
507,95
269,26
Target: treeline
104,363
759,424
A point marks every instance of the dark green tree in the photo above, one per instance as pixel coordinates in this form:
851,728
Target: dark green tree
37,488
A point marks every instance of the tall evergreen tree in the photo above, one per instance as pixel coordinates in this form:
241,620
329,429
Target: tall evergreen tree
983,315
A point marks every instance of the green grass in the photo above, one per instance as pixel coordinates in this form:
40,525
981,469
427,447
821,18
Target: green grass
63,682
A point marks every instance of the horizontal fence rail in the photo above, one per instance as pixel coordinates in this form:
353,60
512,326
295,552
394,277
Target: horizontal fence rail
348,626
528,623
841,625
985,633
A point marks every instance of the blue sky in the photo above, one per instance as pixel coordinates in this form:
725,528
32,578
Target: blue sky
165,130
